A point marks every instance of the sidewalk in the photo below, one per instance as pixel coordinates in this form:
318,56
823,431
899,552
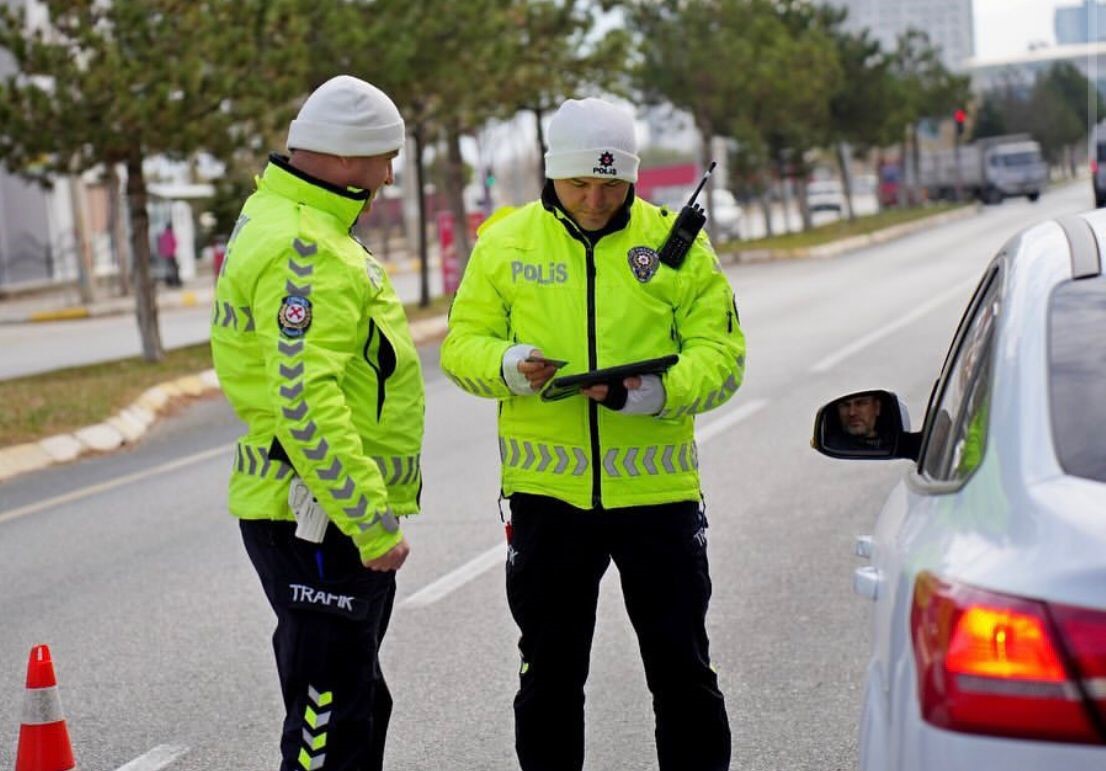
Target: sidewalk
59,302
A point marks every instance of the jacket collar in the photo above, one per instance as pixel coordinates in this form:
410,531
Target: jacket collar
282,178
620,219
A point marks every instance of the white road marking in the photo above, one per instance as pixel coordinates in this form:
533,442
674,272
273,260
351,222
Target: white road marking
485,561
156,759
111,484
450,582
834,359
728,420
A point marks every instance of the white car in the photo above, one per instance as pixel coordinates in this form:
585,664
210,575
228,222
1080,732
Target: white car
825,195
726,213
988,560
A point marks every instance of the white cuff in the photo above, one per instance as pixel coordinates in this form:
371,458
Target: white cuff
648,399
515,380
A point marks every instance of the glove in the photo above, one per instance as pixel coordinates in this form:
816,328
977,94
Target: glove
646,399
515,380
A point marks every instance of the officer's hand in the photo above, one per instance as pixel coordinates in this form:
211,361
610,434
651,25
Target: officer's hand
535,371
599,392
392,559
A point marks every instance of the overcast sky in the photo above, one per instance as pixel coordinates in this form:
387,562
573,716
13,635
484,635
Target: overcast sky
1007,27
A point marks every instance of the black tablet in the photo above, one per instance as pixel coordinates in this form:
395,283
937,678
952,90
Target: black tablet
567,385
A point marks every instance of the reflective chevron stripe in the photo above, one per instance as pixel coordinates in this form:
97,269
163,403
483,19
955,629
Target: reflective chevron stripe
541,457
399,469
316,718
616,462
712,400
636,461
254,461
474,385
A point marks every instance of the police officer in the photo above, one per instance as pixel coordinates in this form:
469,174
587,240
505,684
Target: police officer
313,350
612,473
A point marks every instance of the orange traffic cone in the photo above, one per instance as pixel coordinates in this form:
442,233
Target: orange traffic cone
43,738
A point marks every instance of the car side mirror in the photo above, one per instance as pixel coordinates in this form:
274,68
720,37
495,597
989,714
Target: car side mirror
866,425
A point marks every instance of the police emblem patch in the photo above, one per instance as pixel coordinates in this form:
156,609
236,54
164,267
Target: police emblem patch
643,262
294,316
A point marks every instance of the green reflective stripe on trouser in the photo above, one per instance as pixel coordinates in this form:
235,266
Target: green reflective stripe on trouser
316,718
399,469
651,460
253,460
542,457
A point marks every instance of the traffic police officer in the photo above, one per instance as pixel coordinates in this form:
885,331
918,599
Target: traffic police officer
313,350
612,474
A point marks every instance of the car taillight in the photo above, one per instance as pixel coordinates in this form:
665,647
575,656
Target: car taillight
1094,166
997,664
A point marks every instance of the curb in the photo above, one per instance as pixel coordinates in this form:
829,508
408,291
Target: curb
853,243
124,427
187,298
129,424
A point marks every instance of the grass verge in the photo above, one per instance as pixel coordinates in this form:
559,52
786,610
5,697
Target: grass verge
38,406
835,231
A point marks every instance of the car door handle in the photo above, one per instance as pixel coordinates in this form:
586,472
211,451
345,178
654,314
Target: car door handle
863,546
866,582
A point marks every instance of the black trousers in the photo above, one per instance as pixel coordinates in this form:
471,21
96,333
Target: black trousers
332,613
558,556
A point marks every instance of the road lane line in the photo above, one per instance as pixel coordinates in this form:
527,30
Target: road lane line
729,420
111,484
834,359
485,561
156,759
450,582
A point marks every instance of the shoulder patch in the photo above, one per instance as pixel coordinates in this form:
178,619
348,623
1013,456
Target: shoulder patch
294,316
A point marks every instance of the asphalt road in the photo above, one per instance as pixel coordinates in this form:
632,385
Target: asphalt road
131,570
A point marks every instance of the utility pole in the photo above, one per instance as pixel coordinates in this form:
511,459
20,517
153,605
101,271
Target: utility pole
959,117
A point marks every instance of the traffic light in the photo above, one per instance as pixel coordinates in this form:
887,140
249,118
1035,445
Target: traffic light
489,176
959,117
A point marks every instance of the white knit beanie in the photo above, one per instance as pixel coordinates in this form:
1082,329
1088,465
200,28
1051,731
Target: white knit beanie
591,138
347,116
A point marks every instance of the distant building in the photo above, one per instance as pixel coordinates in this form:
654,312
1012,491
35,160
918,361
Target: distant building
1020,71
28,251
948,23
1074,22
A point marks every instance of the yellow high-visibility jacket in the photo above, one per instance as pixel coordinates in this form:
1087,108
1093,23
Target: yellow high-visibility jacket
535,279
312,348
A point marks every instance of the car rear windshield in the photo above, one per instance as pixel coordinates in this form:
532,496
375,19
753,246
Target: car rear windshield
1102,152
1077,376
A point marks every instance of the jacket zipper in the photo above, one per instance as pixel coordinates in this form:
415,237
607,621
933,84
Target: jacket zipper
593,363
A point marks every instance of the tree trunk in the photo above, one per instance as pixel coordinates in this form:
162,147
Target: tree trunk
85,278
117,231
846,180
915,166
455,191
541,148
801,197
145,302
785,195
766,204
900,193
420,194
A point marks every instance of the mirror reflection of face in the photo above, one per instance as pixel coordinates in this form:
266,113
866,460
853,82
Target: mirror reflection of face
858,415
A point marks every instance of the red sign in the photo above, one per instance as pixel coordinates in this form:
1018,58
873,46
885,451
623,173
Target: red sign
447,247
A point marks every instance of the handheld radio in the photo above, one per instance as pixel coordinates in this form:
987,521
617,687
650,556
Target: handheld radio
685,228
